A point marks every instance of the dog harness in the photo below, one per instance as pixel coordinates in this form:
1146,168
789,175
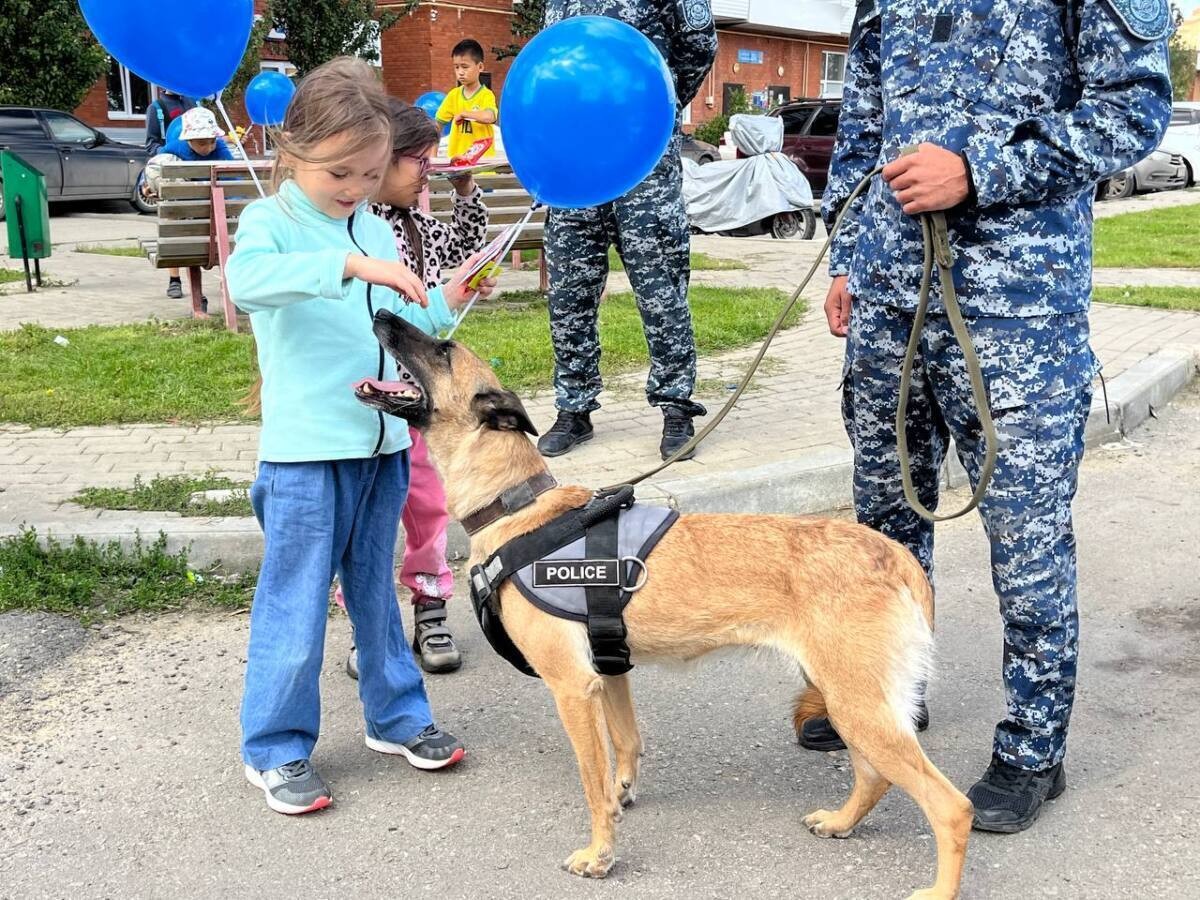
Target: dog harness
584,566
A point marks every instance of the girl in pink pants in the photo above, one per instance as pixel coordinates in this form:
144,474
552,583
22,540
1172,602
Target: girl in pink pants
426,246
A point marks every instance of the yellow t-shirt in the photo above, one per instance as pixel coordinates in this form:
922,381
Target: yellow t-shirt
466,132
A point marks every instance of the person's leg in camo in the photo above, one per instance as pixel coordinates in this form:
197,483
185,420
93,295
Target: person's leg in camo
654,242
875,350
576,247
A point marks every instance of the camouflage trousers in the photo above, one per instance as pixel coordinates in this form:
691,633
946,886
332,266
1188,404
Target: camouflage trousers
1038,373
649,228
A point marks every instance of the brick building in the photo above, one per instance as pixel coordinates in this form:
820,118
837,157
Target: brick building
774,50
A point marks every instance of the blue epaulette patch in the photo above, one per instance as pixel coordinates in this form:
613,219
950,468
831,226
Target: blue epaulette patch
1147,20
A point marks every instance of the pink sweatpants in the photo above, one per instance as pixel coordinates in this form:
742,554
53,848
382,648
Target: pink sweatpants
425,518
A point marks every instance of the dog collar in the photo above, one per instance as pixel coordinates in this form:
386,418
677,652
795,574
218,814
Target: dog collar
516,497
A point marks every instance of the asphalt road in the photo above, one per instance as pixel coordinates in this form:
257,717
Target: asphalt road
120,774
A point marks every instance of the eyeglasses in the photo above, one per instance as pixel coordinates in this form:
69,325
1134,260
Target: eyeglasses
425,162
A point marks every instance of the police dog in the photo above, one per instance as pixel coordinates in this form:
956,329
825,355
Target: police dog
850,607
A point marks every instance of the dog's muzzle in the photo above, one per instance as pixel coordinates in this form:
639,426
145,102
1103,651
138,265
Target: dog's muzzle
397,398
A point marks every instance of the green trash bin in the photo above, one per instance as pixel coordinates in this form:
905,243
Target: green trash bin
28,212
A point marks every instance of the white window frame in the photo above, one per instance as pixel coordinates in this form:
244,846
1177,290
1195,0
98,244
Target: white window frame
832,87
126,115
282,66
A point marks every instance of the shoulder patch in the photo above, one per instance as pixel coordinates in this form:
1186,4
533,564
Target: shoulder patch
697,13
1146,20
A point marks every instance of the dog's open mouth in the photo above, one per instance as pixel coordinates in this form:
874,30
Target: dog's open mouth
395,397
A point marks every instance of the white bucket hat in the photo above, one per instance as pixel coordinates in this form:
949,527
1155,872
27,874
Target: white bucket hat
199,124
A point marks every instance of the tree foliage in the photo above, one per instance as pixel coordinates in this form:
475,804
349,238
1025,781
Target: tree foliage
49,57
319,30
528,19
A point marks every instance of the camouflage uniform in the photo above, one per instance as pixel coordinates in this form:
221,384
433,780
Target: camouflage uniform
648,226
1042,98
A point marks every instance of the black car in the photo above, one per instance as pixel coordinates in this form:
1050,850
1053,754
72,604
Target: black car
79,162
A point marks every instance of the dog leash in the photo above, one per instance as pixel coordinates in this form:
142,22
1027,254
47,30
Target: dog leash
936,239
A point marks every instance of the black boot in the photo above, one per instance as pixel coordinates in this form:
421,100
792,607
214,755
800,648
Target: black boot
569,429
677,431
819,734
1008,799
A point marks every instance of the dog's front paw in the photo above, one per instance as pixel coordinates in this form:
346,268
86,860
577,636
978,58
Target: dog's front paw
826,824
626,791
590,862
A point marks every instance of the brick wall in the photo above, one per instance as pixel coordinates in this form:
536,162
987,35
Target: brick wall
799,59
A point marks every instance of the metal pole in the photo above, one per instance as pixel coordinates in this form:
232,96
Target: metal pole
24,243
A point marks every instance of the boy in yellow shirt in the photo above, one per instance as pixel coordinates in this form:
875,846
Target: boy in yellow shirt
471,107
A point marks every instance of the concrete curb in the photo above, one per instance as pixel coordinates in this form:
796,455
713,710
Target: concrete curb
816,482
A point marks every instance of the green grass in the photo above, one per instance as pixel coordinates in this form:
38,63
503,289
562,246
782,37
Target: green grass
184,371
97,581
109,251
171,494
1157,297
517,342
195,371
701,262
1158,238
7,275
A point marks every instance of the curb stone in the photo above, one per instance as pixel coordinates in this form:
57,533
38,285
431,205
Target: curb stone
816,482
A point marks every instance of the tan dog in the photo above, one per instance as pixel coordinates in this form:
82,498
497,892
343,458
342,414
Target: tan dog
850,607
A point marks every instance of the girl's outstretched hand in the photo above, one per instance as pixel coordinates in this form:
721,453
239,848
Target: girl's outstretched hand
394,275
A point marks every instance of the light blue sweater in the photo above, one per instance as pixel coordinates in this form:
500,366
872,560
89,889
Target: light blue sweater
313,327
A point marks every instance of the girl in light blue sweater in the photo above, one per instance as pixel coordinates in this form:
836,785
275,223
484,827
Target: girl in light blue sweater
312,266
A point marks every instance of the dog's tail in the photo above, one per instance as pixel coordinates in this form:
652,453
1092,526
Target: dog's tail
810,704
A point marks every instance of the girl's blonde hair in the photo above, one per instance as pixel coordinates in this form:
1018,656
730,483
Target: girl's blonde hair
343,97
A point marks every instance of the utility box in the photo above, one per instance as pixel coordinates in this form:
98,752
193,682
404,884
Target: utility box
26,206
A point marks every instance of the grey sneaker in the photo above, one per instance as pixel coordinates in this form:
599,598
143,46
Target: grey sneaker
175,289
431,749
433,644
352,662
291,789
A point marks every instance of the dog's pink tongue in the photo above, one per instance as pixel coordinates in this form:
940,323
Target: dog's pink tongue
385,387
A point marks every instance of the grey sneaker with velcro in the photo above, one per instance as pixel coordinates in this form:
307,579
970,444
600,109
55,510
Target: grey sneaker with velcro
433,644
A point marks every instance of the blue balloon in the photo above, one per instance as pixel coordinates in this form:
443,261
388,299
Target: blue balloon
174,129
589,69
268,96
431,102
189,48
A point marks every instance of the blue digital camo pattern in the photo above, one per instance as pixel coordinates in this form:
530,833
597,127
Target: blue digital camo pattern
1040,118
1044,98
648,226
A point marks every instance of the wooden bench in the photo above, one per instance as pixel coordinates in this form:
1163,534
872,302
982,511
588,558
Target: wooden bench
507,202
191,237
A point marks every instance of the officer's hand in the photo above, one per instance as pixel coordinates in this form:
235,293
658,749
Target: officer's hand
929,180
837,307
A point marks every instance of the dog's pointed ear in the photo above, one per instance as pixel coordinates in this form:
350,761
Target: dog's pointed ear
501,410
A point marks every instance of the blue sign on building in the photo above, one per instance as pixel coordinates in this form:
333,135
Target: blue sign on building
754,57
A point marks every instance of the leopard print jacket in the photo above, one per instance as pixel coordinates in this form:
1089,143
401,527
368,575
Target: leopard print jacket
445,246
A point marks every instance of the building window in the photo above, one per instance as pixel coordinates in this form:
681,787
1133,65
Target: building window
128,94
282,66
833,73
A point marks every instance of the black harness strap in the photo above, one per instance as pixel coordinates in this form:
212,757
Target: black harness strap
605,622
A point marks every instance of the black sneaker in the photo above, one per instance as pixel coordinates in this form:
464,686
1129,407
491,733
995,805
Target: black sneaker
175,289
569,429
820,735
1008,799
203,304
677,431
431,749
433,644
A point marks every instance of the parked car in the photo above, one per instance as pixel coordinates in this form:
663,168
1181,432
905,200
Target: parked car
809,129
1183,138
79,162
1160,171
700,151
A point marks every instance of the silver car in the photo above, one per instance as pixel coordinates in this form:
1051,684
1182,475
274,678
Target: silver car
1160,171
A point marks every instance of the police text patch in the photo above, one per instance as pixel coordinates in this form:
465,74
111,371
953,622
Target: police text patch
697,13
577,573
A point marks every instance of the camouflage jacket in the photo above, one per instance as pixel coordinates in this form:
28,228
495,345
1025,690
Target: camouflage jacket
682,30
1043,98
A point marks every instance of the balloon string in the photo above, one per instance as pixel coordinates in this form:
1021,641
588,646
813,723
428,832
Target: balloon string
507,248
241,149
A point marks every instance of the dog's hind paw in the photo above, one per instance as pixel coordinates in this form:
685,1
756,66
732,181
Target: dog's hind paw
824,824
590,862
626,793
